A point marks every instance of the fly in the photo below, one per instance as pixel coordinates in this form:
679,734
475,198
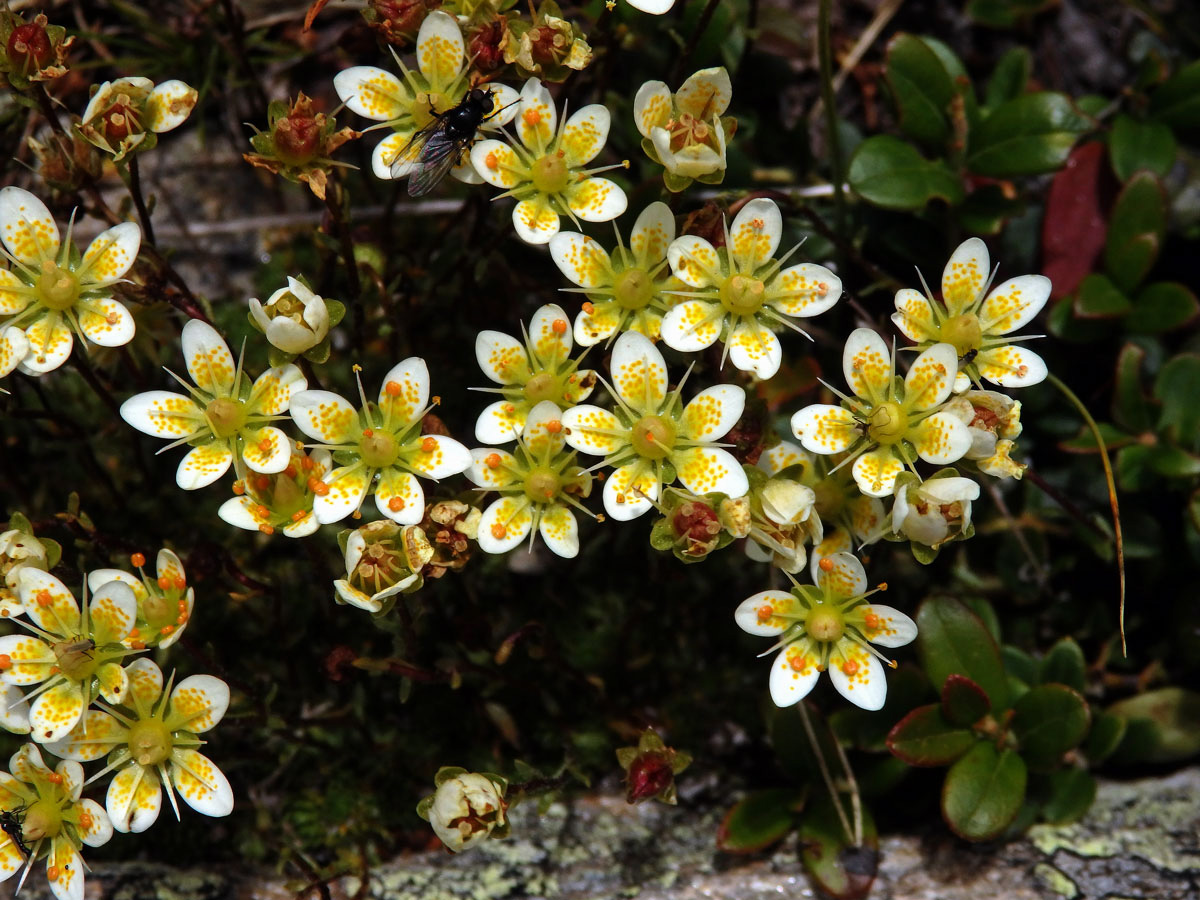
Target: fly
11,823
434,150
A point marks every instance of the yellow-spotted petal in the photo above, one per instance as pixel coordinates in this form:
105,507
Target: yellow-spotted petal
273,389
11,858
754,348
505,523
866,519
885,626
629,492
500,422
598,325
1014,303
794,673
585,134
491,468
373,93
26,226
69,864
208,359
550,333
825,429
169,105
440,48
114,683
581,259
596,199
324,416
857,675
1011,366
53,714
113,610
755,233
805,290
692,325
875,472
501,357
145,680
693,260
543,436
705,93
438,456
560,531
652,233
867,365
537,120
836,541
49,603
941,439
705,470
843,575
32,659
711,413
590,429
965,275
405,392
504,107
764,613
111,253
385,158
931,378
782,456
93,737
400,497
639,373
651,107
535,221
267,450
163,414
200,783
106,322
14,711
134,799
203,465
198,703
346,488
50,344
497,164
914,316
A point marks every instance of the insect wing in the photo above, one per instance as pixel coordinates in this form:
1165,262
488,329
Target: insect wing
407,156
440,154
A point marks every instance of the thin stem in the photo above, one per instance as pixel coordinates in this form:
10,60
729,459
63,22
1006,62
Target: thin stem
702,23
855,799
829,99
1112,494
335,202
824,767
139,200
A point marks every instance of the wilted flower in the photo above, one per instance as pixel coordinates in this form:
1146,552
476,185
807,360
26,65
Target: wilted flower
49,807
126,115
298,143
50,291
994,421
383,559
828,627
684,132
152,741
450,526
692,527
548,46
283,501
783,519
295,320
466,809
650,768
66,164
977,322
396,21
933,512
32,51
19,549
164,602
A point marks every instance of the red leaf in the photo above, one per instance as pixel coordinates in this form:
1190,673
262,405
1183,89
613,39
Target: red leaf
1074,228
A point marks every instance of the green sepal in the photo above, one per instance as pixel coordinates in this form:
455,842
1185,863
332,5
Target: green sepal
445,773
424,806
277,357
320,353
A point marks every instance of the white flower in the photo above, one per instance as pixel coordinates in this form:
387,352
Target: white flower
124,115
994,421
827,627
283,501
294,319
164,603
466,809
977,322
743,293
684,132
652,438
50,291
545,170
225,419
934,511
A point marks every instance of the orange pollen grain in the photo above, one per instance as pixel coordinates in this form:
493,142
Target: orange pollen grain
138,559
765,612
306,463
179,583
531,116
166,629
559,326
290,471
826,564
52,873
138,645
882,585
871,621
554,426
179,620
396,504
498,531
164,582
368,432
492,461
509,408
491,161
428,445
85,821
44,598
112,318
54,778
134,634
265,445
298,515
588,308
393,388
238,488
5,661
266,529
798,663
261,511
850,667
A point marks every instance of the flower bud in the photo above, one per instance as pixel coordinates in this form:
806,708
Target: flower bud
466,809
294,319
31,51
396,21
124,116
19,549
650,769
29,48
993,420
297,138
485,45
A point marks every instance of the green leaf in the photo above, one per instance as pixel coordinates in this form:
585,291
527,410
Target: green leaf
1176,388
1064,664
889,173
1129,399
1162,306
1105,736
760,819
988,207
925,738
1071,794
1010,76
953,640
1029,135
841,870
921,87
1134,145
1171,462
1048,721
981,606
963,701
868,729
1099,298
1135,230
1163,726
983,792
1177,100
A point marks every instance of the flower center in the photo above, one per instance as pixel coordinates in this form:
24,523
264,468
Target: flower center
288,305
964,332
42,819
742,295
150,742
75,658
226,416
888,423
653,437
542,386
159,610
825,623
634,289
378,448
57,288
424,107
542,485
550,173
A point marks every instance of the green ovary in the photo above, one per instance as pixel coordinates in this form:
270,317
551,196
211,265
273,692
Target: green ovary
378,448
653,437
550,174
633,289
226,416
543,386
57,288
963,332
888,423
742,295
43,819
542,485
824,623
76,658
150,742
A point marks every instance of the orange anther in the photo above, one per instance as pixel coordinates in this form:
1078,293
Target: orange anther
52,873
182,604
179,582
163,582
306,463
765,612
166,629
298,515
290,471
393,388
492,461
559,326
588,308
509,408
798,662
531,116
5,661
320,489
499,531
238,488
179,620
428,444
138,559
554,426
882,585
850,667
871,620
134,633
395,504
54,670
491,161
86,821
262,482
265,445
43,598
54,778
137,645
826,564
368,432
112,318
266,529
261,511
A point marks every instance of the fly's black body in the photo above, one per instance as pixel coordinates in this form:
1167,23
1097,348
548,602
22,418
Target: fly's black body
436,149
969,357
10,823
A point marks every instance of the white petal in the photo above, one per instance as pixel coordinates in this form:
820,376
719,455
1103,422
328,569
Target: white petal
501,357
705,93
111,253
405,390
169,105
580,259
550,334
1011,366
504,106
793,675
914,316
597,199
499,423
711,413
69,883
625,500
198,703
107,324
347,488
693,260
942,439
163,414
505,523
867,365
203,465
491,468
784,455
590,429
810,290
50,344
893,628
560,531
875,472
755,233
372,92
26,226
537,120
692,325
134,800
639,373
1014,303
324,416
535,221
653,7
931,379
14,347
201,784
651,106
845,575
652,233
268,450
273,390
208,359
825,429
14,711
584,135
403,491
53,714
113,610
858,676
751,615
965,275
385,154
496,163
440,48
754,348
440,457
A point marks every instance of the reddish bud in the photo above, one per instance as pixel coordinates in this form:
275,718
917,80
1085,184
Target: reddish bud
29,48
484,46
698,524
397,21
649,775
297,138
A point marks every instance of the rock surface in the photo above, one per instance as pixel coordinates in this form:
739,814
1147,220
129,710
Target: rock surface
1141,840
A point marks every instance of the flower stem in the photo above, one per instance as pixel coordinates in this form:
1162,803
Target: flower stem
828,779
829,100
702,23
139,201
1112,494
335,195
